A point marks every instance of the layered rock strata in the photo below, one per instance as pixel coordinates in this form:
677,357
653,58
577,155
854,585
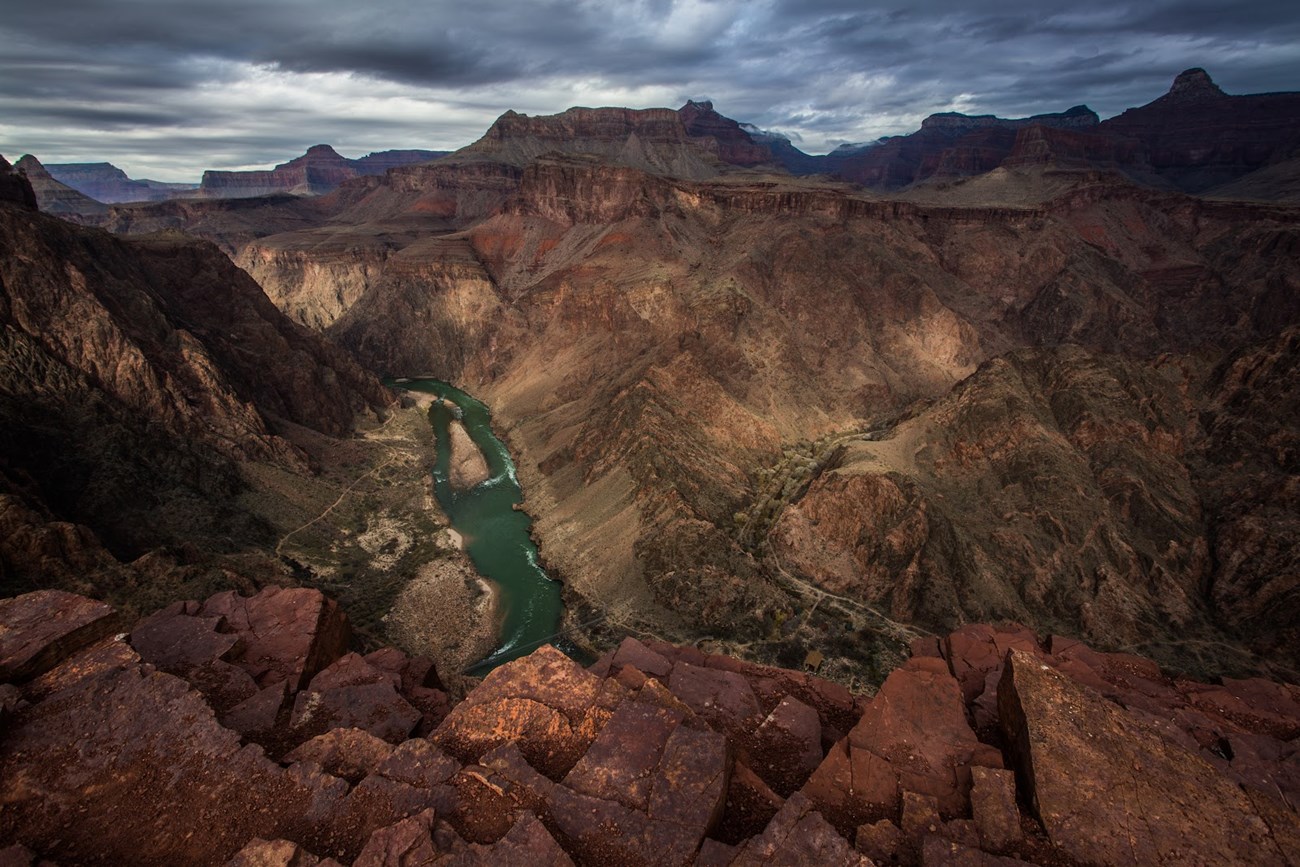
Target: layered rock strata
702,379
652,345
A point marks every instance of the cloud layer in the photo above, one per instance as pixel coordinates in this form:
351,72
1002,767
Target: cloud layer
166,88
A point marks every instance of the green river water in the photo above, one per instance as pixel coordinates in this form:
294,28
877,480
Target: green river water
496,536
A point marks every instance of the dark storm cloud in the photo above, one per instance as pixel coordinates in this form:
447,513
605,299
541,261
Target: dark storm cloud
179,84
446,64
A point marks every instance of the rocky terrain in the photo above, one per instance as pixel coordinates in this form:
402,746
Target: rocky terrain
243,730
763,423
468,466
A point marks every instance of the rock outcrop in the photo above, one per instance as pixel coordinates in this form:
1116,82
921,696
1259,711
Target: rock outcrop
15,189
1111,790
650,757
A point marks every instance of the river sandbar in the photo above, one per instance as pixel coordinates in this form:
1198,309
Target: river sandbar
449,613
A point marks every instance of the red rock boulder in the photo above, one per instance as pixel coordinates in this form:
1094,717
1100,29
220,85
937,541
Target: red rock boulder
1110,790
914,737
39,630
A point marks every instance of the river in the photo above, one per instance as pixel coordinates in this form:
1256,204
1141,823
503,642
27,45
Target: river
495,534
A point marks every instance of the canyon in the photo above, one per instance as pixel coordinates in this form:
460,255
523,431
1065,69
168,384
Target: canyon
687,357
735,392
993,426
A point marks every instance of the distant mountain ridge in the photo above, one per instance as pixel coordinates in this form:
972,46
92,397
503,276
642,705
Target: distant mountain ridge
1197,137
691,142
106,183
320,170
1193,138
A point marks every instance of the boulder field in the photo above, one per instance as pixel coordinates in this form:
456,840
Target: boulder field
242,731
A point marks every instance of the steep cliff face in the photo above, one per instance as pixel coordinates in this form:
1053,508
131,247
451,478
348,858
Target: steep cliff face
139,375
693,142
432,309
231,224
727,138
1064,147
314,277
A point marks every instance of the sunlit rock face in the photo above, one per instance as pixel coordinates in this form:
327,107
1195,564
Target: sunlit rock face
652,343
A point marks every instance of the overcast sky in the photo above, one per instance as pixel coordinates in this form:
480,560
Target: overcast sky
166,88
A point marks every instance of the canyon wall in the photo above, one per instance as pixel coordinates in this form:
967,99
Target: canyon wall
649,345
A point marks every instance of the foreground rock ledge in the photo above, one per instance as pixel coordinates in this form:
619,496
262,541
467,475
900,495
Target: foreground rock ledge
1110,790
242,731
